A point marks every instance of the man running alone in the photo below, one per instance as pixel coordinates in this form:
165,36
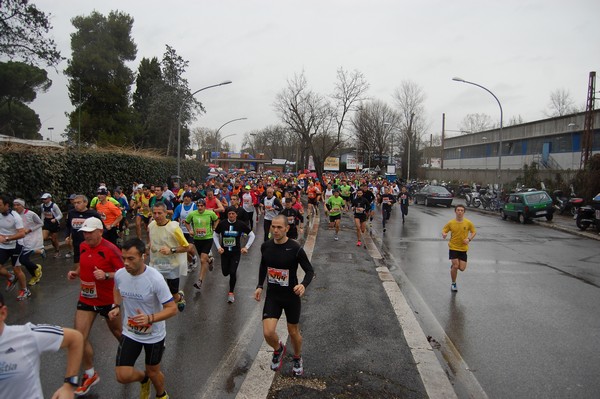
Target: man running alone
279,265
462,233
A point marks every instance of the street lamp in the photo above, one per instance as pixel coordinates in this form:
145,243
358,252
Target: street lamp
179,121
220,127
501,118
221,139
391,158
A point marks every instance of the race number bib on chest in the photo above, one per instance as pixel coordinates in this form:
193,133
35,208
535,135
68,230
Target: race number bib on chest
138,329
229,242
88,290
201,232
291,219
278,276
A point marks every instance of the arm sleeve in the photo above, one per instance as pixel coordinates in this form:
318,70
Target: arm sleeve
262,270
57,213
36,221
217,239
251,237
306,266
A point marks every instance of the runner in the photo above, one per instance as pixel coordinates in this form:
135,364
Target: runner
361,206
110,214
227,241
346,194
404,198
11,232
51,215
142,200
168,248
100,259
272,206
387,200
76,218
248,202
21,348
181,212
459,227
294,218
33,242
201,223
143,301
334,207
279,263
312,193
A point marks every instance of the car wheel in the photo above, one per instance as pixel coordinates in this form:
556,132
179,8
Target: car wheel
503,215
522,218
426,201
549,217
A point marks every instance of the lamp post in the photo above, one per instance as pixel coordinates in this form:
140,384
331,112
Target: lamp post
391,158
501,118
220,127
179,121
221,139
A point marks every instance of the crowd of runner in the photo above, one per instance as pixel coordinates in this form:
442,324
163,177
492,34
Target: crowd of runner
157,234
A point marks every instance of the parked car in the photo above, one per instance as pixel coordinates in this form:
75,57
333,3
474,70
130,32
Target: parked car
433,195
527,205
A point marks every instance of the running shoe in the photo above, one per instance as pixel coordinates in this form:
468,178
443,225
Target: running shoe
145,389
87,384
37,276
335,237
43,253
198,284
358,243
181,301
297,367
56,255
278,357
164,396
230,298
68,255
11,282
23,294
453,287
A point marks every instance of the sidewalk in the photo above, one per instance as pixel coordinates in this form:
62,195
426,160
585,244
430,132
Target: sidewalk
354,344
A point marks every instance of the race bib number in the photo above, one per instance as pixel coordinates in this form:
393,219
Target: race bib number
335,208
278,276
201,232
268,207
76,223
291,219
138,329
48,215
163,265
88,290
229,242
247,201
360,210
386,200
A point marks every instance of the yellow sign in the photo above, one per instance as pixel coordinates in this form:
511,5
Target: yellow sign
331,163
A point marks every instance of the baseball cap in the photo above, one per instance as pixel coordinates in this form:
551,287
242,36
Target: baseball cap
139,186
91,224
102,191
46,195
248,187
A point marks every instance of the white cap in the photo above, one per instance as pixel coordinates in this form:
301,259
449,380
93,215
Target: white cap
91,224
46,195
139,187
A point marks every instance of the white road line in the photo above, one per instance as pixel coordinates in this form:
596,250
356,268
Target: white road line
260,376
433,376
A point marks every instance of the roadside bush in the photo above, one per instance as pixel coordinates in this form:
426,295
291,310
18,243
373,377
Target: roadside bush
28,172
587,180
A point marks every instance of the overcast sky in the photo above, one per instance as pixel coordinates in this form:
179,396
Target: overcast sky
519,49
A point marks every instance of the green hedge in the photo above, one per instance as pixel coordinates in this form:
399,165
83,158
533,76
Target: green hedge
28,172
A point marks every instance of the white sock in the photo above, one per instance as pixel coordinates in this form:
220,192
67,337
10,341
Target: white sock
90,372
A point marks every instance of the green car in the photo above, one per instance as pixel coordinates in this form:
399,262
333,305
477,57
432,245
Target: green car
527,205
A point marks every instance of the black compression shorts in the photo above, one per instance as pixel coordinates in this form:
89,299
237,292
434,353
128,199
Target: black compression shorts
129,350
460,255
275,304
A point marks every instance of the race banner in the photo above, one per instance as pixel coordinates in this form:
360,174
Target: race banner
332,164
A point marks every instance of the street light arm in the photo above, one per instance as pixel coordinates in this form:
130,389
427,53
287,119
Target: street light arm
486,89
226,123
179,120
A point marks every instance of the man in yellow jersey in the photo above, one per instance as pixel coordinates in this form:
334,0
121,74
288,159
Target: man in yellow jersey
142,200
462,233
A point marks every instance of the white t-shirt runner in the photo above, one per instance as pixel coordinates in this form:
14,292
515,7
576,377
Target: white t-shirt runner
9,225
20,350
148,292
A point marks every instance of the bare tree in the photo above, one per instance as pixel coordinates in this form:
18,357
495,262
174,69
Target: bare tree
373,129
411,125
515,120
473,123
317,120
560,104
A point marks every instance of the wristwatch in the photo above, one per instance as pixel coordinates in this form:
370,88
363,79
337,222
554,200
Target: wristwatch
173,250
74,380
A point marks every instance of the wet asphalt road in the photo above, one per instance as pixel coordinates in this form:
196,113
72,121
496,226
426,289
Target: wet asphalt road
525,319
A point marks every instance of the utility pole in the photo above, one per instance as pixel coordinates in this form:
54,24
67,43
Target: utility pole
588,125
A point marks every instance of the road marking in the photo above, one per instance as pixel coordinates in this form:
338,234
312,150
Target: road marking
434,378
260,376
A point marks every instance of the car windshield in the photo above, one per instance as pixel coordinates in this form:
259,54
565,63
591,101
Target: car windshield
537,198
